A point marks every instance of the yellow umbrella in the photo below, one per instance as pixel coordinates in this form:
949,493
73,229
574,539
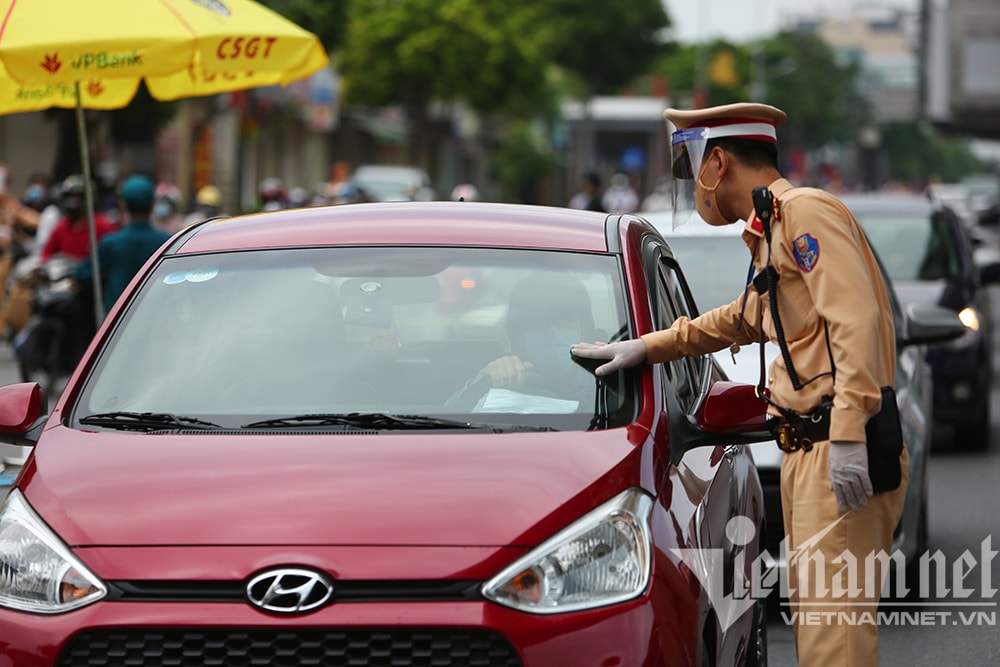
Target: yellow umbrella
93,54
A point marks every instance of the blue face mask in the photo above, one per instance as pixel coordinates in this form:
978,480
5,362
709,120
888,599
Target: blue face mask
162,209
548,349
34,194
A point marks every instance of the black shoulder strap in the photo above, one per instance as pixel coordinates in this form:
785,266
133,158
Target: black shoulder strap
764,205
766,210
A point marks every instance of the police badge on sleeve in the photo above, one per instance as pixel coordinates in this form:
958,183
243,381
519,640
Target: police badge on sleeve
806,251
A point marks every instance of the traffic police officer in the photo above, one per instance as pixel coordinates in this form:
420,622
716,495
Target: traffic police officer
835,320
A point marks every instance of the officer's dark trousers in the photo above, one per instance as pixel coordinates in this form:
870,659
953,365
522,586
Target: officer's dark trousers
835,574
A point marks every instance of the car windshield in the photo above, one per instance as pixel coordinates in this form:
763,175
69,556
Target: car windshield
239,338
913,246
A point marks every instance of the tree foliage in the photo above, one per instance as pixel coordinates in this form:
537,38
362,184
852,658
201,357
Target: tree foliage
821,96
494,55
917,152
800,75
327,19
488,54
606,44
720,69
522,161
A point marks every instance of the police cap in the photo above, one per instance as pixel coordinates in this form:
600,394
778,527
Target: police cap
746,120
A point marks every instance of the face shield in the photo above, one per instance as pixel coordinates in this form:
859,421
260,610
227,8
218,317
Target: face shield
687,154
687,148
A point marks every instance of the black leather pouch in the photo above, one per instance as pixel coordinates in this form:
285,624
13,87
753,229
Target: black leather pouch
884,435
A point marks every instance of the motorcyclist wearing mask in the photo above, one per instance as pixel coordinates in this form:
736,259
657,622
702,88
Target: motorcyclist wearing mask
71,236
166,214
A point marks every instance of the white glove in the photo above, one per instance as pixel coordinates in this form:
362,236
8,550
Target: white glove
623,354
849,474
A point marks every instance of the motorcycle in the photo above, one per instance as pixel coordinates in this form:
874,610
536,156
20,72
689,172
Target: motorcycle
49,346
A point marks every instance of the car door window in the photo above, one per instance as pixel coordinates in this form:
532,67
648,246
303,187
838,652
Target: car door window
670,300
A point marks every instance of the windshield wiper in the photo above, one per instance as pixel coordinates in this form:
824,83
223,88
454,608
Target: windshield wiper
146,421
382,421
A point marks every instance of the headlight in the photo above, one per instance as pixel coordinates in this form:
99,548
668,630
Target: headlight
600,559
38,573
970,318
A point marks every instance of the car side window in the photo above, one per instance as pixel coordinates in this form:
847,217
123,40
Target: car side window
671,300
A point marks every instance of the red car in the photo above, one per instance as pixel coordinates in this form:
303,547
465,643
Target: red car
355,435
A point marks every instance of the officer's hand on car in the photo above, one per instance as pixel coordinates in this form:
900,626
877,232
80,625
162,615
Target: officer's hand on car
849,474
622,354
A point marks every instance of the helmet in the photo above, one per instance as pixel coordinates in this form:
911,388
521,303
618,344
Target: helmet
167,201
271,189
73,185
298,197
465,192
208,197
170,192
71,195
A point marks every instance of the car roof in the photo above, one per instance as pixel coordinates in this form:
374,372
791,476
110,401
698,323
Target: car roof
694,226
888,202
403,223
869,203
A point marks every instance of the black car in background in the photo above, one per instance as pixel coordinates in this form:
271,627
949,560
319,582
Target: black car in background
930,256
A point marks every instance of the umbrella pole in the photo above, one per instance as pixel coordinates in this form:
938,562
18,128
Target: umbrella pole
81,132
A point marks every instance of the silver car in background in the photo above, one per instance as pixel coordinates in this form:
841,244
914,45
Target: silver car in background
393,182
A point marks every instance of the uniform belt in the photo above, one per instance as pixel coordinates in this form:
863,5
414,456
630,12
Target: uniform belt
794,432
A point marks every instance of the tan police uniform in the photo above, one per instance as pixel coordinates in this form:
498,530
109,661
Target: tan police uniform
834,311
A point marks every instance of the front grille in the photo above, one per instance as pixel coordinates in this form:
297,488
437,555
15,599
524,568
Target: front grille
344,591
136,647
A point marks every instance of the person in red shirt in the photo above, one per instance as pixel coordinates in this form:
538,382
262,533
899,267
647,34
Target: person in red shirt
70,237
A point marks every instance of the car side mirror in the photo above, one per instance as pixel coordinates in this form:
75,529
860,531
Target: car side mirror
989,273
926,324
733,407
976,238
731,414
23,409
990,217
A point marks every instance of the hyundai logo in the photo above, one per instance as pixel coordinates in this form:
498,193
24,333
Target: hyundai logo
289,590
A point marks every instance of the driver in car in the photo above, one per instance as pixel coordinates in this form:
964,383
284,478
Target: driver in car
547,311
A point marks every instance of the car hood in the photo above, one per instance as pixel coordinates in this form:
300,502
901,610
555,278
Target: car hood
925,293
400,489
